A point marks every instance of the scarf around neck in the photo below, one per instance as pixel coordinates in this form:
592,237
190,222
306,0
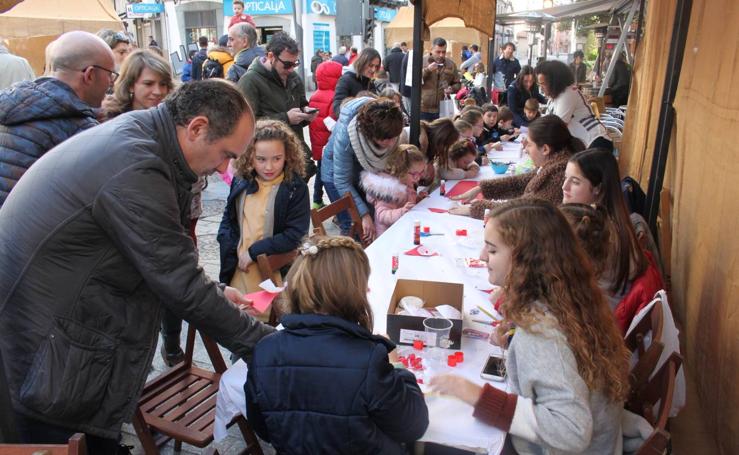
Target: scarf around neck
370,156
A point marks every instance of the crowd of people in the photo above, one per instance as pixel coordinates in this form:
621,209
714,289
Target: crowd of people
102,163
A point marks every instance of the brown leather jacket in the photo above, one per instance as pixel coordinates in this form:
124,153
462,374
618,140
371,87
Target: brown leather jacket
435,82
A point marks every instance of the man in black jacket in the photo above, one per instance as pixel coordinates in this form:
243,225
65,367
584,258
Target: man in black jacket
94,245
393,63
199,58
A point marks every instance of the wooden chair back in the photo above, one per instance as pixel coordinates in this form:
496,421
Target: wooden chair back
648,355
180,403
318,216
75,446
658,393
267,266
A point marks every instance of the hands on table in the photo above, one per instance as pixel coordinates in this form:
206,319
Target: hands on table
467,196
462,210
457,386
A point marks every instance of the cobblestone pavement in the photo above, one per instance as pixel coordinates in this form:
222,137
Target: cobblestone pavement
214,200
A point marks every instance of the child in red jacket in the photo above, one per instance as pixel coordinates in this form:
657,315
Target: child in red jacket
327,76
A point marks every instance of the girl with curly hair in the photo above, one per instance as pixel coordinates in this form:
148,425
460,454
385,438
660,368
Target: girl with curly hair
267,210
567,365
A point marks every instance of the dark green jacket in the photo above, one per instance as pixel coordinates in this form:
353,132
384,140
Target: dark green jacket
269,97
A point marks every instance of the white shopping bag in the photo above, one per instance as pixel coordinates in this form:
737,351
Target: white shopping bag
447,108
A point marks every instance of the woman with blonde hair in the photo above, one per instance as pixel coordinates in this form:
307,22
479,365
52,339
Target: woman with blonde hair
325,383
144,82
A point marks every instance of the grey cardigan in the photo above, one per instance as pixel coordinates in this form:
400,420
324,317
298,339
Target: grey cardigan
555,411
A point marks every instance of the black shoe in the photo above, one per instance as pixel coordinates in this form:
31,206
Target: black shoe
172,357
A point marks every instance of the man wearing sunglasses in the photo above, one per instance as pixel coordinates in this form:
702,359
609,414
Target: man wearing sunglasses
37,115
275,91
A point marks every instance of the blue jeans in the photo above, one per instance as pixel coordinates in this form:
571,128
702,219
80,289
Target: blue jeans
345,221
318,185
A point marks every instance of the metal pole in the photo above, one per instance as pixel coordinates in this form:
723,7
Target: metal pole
299,38
619,46
667,113
417,69
492,53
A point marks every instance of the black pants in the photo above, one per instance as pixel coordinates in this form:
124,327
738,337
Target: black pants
35,432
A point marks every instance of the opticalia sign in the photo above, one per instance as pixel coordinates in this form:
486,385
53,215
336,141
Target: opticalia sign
255,8
147,8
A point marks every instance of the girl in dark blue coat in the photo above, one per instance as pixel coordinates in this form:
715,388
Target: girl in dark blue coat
324,384
267,210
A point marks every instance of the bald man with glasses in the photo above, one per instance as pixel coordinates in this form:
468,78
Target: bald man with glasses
37,115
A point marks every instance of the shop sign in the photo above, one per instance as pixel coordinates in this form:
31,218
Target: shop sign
147,8
385,14
323,7
261,7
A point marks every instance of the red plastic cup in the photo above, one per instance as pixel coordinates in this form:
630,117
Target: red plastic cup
461,232
417,345
459,355
426,229
451,360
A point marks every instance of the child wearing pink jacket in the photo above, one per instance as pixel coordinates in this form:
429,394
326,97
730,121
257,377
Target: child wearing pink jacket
393,192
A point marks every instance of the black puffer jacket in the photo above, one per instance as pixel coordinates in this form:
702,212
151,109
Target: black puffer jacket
93,247
325,385
348,86
34,117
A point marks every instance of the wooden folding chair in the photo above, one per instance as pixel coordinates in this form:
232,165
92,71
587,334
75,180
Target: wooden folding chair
658,393
180,404
648,356
318,216
268,265
75,446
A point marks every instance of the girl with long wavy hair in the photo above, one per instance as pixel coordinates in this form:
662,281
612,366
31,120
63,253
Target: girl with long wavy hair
267,210
567,365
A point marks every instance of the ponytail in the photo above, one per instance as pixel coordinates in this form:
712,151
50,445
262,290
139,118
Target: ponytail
402,158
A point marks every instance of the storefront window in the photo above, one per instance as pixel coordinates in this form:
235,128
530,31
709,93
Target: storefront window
265,33
201,23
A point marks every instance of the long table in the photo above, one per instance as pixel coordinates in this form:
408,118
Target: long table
450,420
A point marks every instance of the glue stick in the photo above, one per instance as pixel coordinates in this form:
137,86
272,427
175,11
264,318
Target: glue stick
416,232
442,188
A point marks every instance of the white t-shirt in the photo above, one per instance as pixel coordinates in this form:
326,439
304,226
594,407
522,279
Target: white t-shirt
572,107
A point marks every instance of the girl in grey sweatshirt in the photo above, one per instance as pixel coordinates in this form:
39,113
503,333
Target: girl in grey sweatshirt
567,364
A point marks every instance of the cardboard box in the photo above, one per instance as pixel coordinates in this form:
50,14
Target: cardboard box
402,328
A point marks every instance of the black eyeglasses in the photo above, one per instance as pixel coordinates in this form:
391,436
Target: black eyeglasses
113,74
288,65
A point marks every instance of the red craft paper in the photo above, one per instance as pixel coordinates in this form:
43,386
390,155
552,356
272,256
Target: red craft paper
462,187
415,252
474,262
435,210
261,300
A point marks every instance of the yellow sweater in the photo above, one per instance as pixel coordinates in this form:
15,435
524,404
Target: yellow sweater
252,230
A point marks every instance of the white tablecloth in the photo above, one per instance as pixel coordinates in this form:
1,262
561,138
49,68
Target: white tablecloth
451,421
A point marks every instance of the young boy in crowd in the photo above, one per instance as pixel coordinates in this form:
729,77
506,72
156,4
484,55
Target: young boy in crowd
505,129
531,109
489,137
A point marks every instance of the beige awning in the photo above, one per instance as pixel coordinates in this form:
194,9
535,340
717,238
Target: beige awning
54,17
477,14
